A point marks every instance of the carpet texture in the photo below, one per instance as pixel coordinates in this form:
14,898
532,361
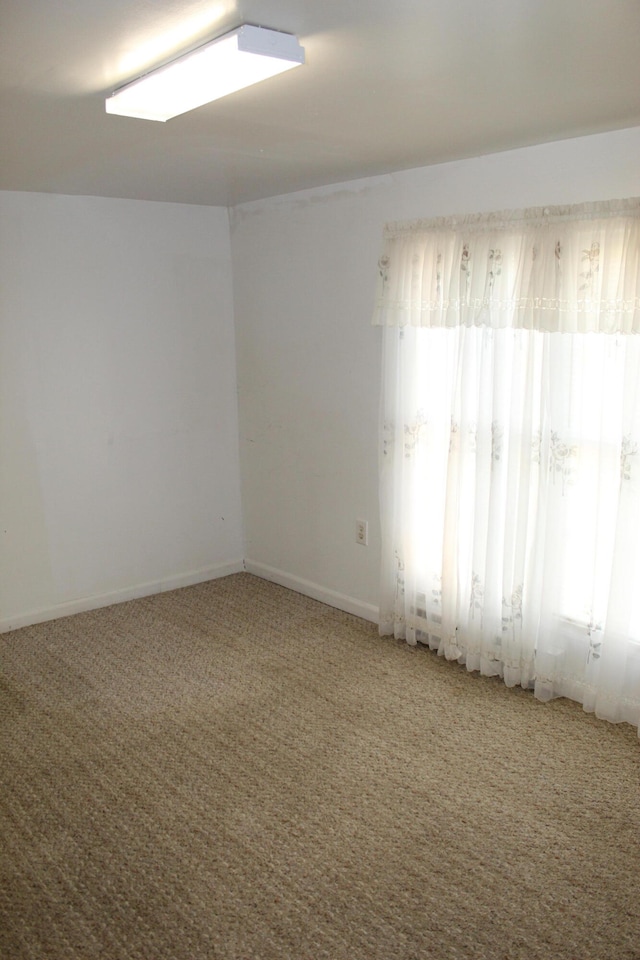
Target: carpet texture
235,771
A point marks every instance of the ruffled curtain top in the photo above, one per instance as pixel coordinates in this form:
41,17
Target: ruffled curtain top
573,269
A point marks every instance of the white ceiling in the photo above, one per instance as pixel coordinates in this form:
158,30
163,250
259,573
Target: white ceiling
388,85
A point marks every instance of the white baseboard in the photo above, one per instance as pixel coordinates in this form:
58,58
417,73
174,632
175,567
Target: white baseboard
349,604
83,604
342,602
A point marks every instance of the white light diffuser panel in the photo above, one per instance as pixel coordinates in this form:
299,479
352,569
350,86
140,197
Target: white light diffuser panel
236,60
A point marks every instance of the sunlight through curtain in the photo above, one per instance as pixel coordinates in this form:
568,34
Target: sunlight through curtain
510,447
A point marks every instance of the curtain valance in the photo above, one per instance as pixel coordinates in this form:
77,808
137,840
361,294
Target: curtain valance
573,269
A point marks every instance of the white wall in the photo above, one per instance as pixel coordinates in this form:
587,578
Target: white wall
308,359
119,469
118,423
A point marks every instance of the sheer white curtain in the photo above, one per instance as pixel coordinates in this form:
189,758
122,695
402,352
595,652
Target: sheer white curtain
510,447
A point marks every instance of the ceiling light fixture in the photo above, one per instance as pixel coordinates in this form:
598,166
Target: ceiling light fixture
238,59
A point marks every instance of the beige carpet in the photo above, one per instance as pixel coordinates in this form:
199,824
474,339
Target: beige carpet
236,771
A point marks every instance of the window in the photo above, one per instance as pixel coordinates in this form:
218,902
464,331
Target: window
510,454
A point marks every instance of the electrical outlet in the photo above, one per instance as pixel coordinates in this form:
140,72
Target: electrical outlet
362,533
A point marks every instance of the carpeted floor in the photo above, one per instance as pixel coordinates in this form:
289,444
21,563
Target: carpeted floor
235,771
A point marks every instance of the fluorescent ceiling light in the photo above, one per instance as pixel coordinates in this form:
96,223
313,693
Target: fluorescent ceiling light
233,61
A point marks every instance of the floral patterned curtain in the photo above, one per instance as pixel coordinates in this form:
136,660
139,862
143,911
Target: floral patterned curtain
562,269
510,447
